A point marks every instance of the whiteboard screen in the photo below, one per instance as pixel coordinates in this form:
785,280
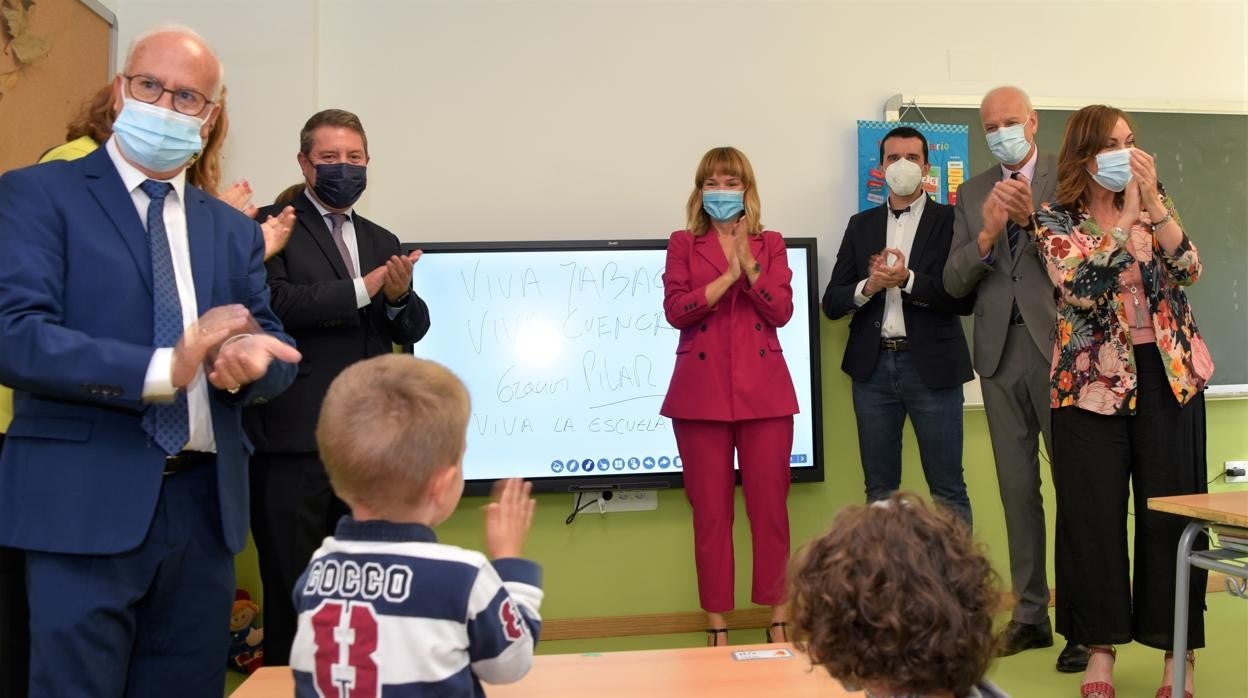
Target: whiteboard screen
567,355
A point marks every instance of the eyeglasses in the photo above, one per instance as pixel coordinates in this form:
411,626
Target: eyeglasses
148,89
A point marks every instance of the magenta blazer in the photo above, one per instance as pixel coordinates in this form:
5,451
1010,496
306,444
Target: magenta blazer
729,365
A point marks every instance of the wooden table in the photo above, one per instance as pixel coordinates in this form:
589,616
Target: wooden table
1223,508
703,671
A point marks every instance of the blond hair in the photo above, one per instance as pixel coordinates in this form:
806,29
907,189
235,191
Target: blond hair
724,161
387,425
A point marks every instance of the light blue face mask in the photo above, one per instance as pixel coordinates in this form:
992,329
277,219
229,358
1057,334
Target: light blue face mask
723,205
154,138
1008,145
1113,169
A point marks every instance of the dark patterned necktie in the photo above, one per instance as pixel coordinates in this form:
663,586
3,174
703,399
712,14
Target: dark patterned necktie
1013,233
167,423
335,231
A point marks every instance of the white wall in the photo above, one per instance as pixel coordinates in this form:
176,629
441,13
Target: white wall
528,119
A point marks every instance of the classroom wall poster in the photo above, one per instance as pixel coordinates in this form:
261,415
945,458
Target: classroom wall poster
948,152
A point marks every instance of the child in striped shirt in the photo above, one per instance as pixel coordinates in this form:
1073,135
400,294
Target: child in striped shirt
383,605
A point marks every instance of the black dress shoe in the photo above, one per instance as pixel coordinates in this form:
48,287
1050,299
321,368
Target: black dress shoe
1023,636
1073,659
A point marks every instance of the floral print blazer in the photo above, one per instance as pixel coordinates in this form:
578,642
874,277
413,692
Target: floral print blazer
1093,366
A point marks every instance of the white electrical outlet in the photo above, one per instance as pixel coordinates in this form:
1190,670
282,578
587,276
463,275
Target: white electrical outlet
622,500
1242,465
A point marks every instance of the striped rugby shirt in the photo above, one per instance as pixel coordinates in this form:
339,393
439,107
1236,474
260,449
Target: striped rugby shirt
386,611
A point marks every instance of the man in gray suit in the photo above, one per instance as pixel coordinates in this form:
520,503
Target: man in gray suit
993,254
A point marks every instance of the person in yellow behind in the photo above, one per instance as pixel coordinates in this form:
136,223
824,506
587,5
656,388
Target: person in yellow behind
382,601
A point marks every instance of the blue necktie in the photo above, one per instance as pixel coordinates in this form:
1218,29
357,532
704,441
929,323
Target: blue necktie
167,423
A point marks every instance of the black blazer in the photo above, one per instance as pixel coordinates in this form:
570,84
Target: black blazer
314,297
932,325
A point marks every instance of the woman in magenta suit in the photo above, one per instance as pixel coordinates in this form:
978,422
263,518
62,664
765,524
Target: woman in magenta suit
726,288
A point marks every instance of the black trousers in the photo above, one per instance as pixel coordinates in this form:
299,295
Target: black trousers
293,509
1158,451
14,621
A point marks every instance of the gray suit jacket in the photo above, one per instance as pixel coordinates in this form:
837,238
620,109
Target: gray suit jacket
999,284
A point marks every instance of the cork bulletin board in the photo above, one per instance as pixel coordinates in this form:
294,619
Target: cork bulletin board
54,54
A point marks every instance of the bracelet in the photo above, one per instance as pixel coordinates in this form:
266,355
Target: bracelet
1164,220
234,338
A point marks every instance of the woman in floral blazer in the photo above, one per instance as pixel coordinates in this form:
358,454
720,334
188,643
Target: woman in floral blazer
1128,373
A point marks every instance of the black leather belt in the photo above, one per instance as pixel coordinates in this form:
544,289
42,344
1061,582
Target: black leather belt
187,460
894,344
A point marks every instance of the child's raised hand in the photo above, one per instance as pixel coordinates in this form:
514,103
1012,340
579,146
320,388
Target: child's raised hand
508,518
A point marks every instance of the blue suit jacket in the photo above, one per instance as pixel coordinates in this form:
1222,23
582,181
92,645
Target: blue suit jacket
78,473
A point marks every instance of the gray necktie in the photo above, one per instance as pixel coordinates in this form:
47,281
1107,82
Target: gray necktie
335,229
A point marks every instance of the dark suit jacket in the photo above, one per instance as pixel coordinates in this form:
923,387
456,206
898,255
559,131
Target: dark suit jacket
1003,281
78,473
932,326
314,296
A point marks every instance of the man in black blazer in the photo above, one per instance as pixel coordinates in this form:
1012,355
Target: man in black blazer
906,351
342,288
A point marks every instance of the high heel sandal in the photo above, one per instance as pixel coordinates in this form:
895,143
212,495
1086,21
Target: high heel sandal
1167,691
1101,688
712,636
784,629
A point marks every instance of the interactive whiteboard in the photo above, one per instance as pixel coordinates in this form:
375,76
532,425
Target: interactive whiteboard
567,355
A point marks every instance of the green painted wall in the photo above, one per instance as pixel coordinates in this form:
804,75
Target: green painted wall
642,562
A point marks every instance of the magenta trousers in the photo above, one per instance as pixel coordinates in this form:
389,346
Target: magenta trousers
763,447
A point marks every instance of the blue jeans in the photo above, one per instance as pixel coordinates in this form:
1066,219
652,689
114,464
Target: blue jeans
881,404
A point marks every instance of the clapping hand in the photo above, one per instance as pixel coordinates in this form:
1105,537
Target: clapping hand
399,275
246,359
394,278
995,217
886,275
741,245
238,196
1014,195
508,518
276,230
204,336
734,264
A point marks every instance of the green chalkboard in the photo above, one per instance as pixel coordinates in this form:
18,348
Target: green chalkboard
1202,159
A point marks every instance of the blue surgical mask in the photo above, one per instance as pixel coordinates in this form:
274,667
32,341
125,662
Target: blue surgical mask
723,204
1113,169
1009,145
340,184
155,138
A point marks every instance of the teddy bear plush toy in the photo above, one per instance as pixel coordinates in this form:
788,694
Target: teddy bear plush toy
246,640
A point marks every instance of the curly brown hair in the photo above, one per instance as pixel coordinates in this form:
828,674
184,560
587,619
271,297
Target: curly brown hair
898,596
95,120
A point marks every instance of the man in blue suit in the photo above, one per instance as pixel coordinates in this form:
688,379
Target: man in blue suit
134,327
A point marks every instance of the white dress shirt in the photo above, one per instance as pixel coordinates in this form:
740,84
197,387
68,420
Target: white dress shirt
900,235
353,245
158,382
